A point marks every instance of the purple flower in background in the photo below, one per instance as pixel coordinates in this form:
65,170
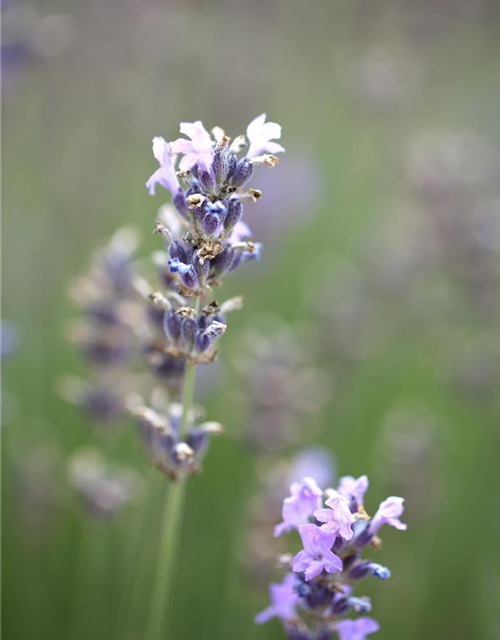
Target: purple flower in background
260,133
240,232
338,518
356,629
388,513
283,599
352,488
317,555
317,461
198,150
304,499
165,175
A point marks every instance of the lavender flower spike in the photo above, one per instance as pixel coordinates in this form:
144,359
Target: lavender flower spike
198,150
283,599
260,133
352,488
338,518
356,629
165,175
316,555
304,499
388,513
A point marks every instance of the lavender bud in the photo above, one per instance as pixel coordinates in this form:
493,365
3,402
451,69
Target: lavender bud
359,571
220,165
242,173
222,261
203,342
189,278
180,204
172,325
201,267
197,439
340,606
234,213
188,332
177,251
207,180
232,161
211,223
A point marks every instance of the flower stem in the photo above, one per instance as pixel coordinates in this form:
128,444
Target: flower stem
171,527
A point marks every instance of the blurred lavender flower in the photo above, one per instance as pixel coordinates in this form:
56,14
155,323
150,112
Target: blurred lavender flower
283,386
382,80
28,36
175,454
409,454
105,331
102,488
9,344
323,573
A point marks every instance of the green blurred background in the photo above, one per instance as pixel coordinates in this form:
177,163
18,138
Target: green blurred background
357,87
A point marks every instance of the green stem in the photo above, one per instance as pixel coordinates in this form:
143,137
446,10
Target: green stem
171,525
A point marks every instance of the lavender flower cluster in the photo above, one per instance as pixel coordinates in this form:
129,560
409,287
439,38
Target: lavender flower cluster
316,594
205,239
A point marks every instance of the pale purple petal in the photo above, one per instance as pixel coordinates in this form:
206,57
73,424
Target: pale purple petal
356,629
260,133
241,231
305,498
353,488
198,150
161,150
165,175
338,518
283,599
388,513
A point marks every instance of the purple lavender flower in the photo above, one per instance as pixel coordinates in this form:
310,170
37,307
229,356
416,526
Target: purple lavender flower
260,133
316,555
305,498
331,563
198,150
165,175
338,518
356,629
283,599
352,488
388,513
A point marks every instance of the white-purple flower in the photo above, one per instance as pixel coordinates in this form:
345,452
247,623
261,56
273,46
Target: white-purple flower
304,499
241,231
389,512
198,150
260,133
353,488
283,599
338,519
165,175
317,555
356,629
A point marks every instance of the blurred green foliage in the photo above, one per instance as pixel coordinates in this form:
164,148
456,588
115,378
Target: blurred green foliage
78,119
